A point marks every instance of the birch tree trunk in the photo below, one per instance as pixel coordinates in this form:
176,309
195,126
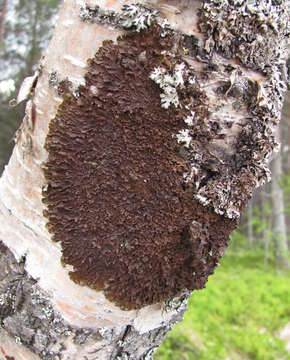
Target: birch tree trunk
265,196
147,127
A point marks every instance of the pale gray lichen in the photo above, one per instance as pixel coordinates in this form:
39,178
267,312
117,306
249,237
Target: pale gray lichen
150,353
169,84
189,119
178,74
256,34
107,333
183,137
132,17
167,28
177,304
224,173
53,79
137,16
64,86
3,299
123,356
247,29
18,340
99,15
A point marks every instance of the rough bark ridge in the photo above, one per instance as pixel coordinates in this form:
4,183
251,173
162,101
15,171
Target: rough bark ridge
27,315
146,137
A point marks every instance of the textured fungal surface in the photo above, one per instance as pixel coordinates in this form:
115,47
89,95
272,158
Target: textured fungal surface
116,197
152,161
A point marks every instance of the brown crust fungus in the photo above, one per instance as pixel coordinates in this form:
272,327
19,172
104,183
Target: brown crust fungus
116,199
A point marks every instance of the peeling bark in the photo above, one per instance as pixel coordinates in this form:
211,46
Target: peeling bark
147,129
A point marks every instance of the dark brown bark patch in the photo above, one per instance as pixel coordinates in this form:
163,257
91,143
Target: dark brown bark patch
115,197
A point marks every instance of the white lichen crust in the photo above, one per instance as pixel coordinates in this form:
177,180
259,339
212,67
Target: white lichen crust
137,16
132,17
253,31
169,84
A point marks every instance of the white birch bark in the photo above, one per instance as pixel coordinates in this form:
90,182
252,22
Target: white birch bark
75,322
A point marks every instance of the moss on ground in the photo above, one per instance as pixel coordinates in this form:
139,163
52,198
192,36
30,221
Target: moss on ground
238,315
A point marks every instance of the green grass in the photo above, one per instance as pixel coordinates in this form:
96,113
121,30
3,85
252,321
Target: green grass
238,315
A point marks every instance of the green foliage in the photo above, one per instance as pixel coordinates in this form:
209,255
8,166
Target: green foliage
237,316
238,240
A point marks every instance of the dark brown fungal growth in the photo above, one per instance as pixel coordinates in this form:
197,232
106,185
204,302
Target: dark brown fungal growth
116,198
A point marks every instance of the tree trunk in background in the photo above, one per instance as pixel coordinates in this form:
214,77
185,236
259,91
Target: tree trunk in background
33,55
278,213
250,225
286,140
2,23
28,27
147,129
265,195
286,121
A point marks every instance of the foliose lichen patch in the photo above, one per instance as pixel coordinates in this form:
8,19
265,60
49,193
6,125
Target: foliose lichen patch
116,198
135,17
168,84
237,30
152,163
254,31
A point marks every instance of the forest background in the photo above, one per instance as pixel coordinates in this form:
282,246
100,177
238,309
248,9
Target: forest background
244,312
